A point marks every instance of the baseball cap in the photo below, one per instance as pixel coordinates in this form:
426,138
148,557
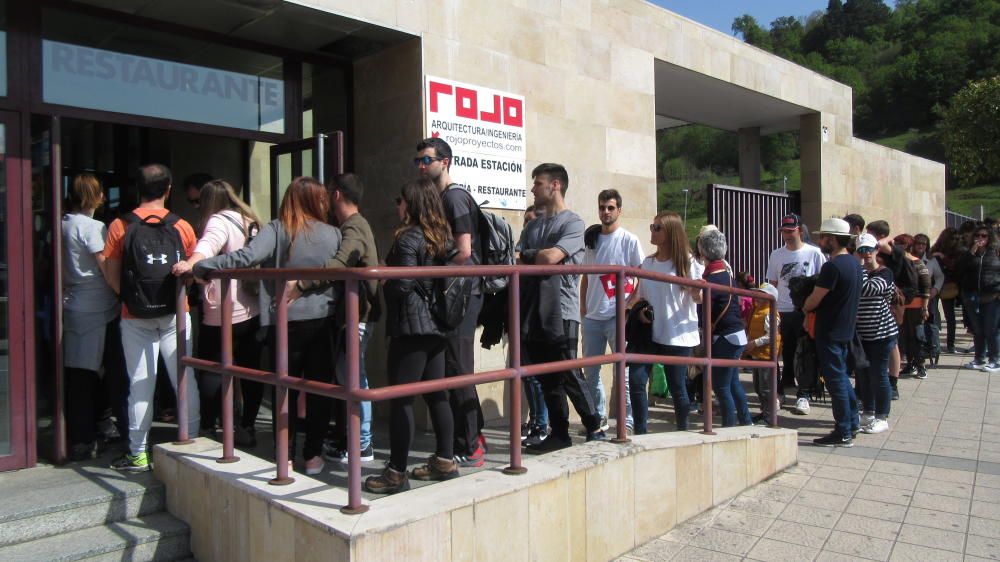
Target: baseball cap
790,221
866,241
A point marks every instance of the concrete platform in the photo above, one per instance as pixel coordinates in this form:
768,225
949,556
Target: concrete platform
593,501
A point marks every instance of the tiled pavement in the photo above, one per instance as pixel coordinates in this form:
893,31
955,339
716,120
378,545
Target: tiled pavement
928,489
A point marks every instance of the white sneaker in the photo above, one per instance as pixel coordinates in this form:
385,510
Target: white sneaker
877,426
992,367
802,406
866,419
975,365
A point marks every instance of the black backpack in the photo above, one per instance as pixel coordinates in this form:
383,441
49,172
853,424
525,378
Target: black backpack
449,298
151,248
496,241
908,279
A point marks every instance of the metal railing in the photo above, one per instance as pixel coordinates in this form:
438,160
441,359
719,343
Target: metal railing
353,394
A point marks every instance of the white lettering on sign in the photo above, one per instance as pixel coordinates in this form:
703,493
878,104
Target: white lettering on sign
485,129
106,80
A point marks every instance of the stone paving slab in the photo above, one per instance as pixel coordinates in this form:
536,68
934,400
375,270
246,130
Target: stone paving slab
928,489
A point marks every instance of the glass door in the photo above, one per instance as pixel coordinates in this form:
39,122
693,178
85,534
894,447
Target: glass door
319,156
15,394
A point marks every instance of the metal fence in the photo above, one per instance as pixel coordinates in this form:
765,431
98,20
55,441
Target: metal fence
352,394
750,219
955,220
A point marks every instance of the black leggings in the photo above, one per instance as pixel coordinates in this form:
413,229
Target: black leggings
88,395
311,350
412,359
246,353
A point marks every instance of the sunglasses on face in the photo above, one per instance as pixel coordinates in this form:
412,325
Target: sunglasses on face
865,250
425,160
655,227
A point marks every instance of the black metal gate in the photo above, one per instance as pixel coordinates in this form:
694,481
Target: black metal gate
750,219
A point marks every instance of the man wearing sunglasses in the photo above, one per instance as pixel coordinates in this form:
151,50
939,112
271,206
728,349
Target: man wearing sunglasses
433,161
606,244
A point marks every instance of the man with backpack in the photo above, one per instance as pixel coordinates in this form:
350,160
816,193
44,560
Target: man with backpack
433,161
141,250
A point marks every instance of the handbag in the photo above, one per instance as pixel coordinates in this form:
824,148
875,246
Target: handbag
898,305
949,290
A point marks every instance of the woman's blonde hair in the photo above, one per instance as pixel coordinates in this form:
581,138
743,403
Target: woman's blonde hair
85,193
219,195
676,243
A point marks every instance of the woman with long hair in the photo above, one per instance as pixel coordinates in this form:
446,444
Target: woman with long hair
978,273
298,238
946,250
674,316
417,347
227,223
728,334
915,313
90,322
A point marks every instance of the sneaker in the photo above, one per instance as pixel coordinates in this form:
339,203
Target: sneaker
598,435
132,463
950,350
536,435
525,431
877,426
314,465
921,372
389,482
551,443
975,364
907,370
759,419
895,394
604,424
475,460
437,469
245,437
801,406
340,455
866,419
482,443
83,452
833,440
992,367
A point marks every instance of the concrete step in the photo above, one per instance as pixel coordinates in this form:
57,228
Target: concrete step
156,537
47,501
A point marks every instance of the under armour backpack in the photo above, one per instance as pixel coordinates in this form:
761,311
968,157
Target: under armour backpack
151,248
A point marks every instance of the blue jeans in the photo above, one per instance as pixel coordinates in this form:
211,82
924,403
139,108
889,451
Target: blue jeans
984,319
726,384
833,366
364,332
873,383
676,383
598,335
538,413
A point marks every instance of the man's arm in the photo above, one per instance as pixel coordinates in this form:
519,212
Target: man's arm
583,294
814,299
463,243
112,271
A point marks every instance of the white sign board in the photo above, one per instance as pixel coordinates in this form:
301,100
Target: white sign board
485,129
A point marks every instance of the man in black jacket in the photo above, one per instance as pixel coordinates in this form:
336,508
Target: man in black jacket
550,307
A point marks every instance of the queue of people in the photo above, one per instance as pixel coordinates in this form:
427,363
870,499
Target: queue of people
869,303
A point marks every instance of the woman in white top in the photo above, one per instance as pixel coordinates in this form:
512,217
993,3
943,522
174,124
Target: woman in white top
90,311
674,315
227,222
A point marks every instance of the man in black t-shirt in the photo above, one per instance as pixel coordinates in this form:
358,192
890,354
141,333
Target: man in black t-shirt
433,161
835,302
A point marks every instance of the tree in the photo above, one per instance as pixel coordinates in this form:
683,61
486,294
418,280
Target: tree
970,132
786,37
746,26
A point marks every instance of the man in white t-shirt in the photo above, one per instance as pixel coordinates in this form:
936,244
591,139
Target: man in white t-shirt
794,259
606,244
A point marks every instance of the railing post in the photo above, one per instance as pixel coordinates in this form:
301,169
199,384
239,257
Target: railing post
620,403
281,391
353,360
514,384
182,351
706,379
228,455
773,417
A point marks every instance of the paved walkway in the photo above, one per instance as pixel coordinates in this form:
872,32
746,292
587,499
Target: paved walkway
928,489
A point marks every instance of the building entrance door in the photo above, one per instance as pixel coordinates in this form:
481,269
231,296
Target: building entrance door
320,156
15,395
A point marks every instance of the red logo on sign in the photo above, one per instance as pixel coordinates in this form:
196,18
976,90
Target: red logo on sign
501,109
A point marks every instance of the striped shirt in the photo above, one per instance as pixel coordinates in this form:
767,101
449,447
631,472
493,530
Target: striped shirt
875,320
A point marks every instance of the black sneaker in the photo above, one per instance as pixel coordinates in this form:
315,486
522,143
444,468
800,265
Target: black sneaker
598,435
907,370
921,372
833,440
525,431
551,443
895,394
536,435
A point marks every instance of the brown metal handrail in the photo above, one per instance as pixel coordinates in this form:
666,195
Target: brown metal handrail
352,394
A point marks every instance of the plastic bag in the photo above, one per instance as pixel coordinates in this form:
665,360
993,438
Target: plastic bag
658,384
